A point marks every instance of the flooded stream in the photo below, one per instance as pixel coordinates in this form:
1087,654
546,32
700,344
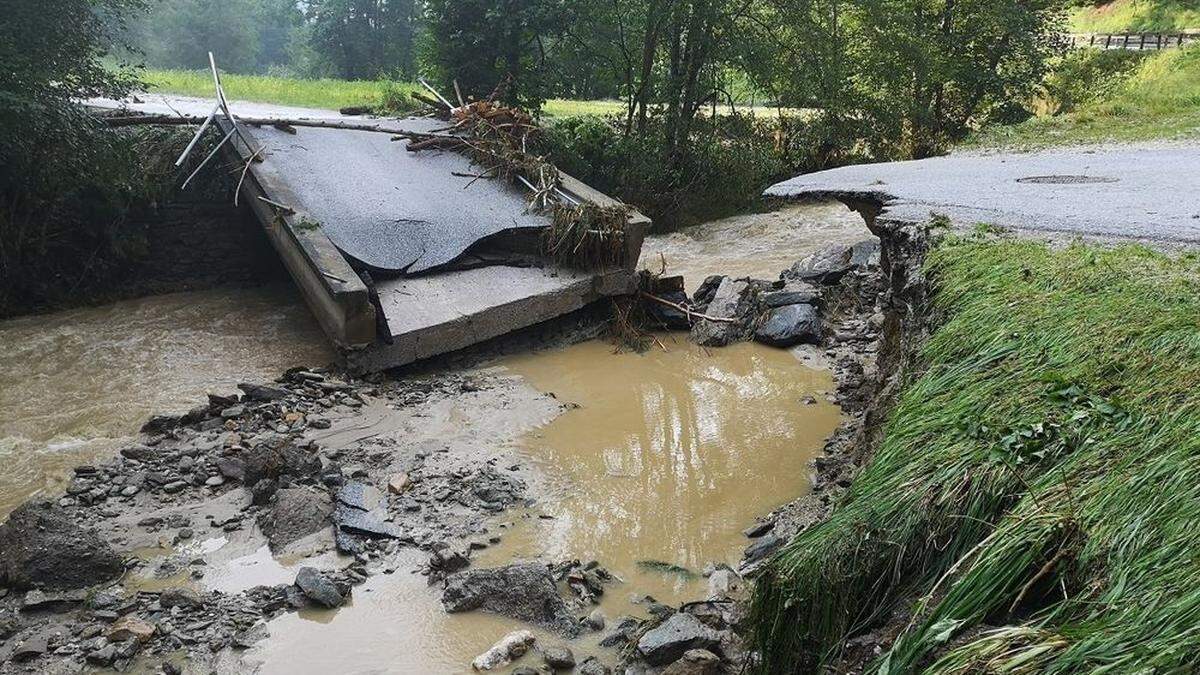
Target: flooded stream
75,385
758,245
662,457
655,466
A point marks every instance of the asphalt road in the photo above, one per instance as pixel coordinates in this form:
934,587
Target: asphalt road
387,208
1149,192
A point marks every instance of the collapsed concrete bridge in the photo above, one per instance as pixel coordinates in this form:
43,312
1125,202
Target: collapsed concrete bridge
450,260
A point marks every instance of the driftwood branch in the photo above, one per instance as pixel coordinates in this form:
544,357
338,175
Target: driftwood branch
277,122
685,310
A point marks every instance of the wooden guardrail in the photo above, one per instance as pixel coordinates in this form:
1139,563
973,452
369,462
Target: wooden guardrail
1135,41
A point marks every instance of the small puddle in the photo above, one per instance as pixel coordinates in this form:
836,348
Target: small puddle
668,456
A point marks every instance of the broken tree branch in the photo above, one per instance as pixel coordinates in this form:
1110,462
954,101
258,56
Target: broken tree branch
277,122
685,310
246,169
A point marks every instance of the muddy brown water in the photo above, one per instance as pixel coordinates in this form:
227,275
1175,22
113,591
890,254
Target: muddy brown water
758,245
668,456
75,385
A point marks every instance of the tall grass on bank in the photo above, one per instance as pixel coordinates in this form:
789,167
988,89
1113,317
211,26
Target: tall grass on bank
1036,497
1159,99
323,93
1138,16
386,96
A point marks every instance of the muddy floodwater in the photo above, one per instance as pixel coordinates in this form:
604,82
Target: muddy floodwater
758,245
660,458
74,385
651,464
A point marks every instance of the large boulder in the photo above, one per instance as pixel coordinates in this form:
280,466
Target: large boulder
41,547
790,325
295,513
674,637
318,588
830,264
695,662
792,293
268,462
731,301
524,591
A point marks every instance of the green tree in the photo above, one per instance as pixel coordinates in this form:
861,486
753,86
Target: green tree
180,33
65,181
482,43
364,39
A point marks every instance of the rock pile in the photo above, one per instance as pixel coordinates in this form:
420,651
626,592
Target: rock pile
781,313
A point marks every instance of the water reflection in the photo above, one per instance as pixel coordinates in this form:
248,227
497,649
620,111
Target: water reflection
670,454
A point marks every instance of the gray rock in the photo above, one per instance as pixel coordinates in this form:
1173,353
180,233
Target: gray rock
790,325
41,546
174,486
37,599
262,392
708,288
674,637
592,666
695,662
724,584
447,558
670,317
360,496
595,620
317,588
794,293
268,461
33,644
103,656
830,264
180,597
762,548
759,529
141,453
295,513
262,490
231,468
524,591
365,523
625,629
729,302
558,657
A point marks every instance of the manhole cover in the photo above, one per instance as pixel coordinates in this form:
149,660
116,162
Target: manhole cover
1066,180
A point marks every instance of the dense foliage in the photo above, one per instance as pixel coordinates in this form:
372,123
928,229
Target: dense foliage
67,185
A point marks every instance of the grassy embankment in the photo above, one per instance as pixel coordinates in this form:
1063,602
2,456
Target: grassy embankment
1037,489
330,94
1158,99
1136,16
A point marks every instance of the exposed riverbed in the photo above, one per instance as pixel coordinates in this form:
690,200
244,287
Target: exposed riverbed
651,464
661,457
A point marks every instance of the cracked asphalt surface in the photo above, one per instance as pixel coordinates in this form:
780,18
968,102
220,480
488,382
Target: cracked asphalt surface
1147,192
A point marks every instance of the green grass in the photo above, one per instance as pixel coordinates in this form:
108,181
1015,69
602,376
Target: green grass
1136,16
1160,100
328,94
1038,485
336,94
331,94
